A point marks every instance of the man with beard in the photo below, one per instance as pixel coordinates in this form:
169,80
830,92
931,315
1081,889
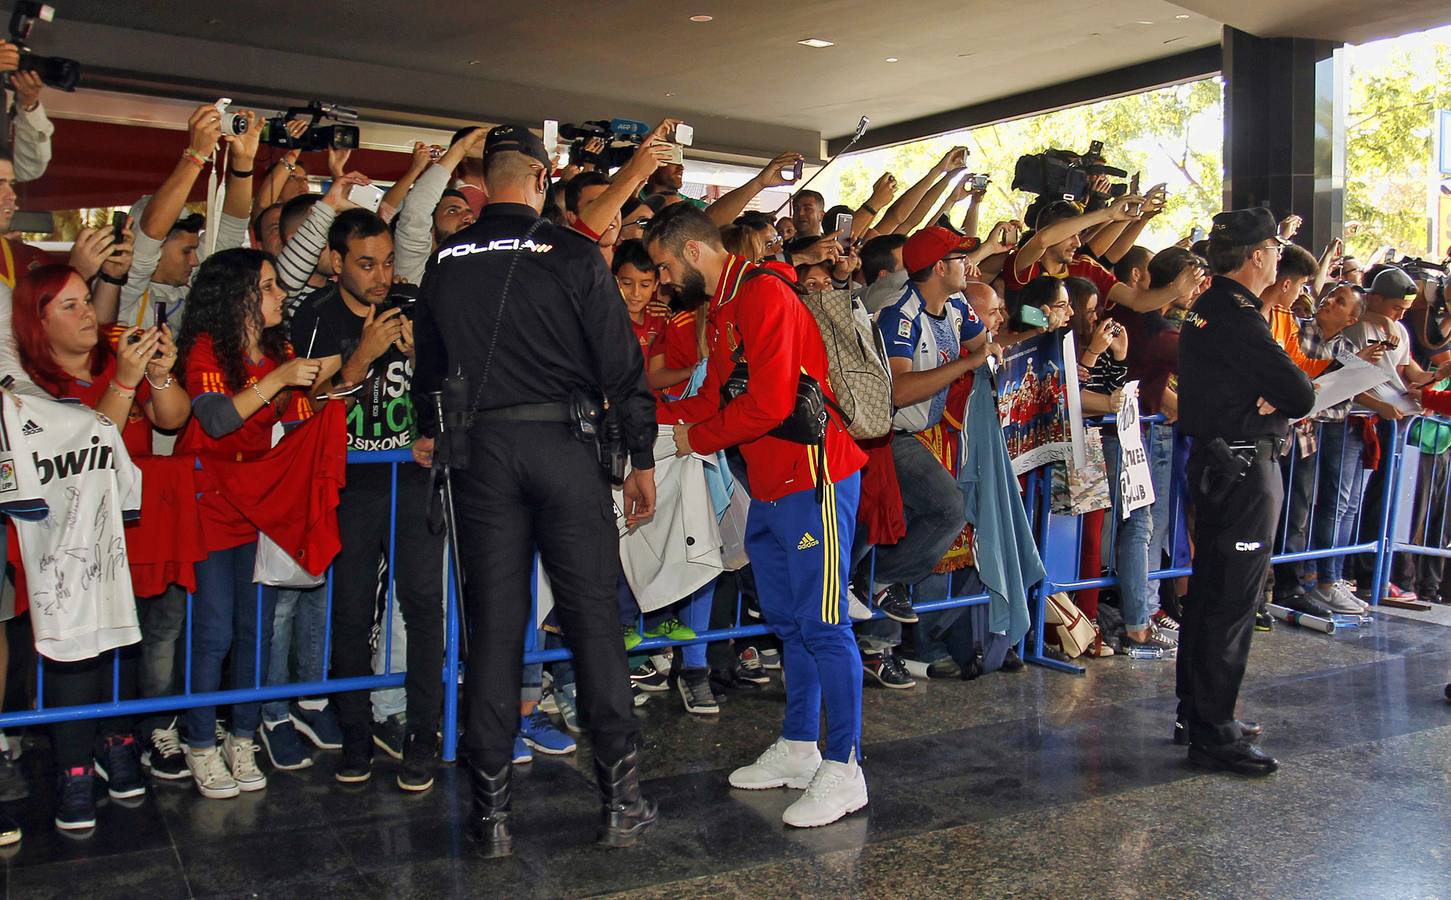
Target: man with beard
803,504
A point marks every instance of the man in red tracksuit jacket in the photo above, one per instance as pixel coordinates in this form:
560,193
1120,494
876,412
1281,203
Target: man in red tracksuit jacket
800,547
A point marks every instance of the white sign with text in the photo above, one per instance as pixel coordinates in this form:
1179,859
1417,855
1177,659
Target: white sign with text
1135,480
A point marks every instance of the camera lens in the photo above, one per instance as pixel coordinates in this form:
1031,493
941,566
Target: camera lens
234,124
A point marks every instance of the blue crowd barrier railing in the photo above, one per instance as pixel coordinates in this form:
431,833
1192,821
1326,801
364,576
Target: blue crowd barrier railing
1061,555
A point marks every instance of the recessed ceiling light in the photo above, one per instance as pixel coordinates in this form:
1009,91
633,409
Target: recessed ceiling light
817,43
1142,22
474,62
891,59
701,18
670,93
1181,16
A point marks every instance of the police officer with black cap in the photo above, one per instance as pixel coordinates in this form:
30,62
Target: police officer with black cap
520,323
1238,392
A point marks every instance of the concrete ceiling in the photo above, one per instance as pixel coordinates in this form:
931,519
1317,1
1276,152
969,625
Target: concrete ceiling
741,78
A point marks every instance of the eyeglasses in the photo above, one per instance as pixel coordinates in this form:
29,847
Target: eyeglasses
1277,247
954,256
775,242
636,223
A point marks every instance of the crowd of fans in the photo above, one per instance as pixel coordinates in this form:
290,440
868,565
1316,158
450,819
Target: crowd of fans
201,339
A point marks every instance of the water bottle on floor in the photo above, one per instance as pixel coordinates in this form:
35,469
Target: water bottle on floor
1137,652
1351,620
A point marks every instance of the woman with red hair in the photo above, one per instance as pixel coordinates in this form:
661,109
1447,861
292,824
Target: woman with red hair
62,350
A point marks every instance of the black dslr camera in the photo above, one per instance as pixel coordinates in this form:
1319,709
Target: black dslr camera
1063,173
621,137
56,71
332,136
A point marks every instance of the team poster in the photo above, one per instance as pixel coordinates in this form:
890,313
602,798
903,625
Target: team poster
1033,403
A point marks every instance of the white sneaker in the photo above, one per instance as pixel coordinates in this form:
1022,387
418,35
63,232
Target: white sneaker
839,789
784,764
856,608
1336,598
241,756
1346,590
210,773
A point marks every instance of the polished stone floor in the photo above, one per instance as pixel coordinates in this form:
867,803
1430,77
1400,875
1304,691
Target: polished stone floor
1030,784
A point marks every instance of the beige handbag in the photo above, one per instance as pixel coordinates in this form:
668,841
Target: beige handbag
1067,626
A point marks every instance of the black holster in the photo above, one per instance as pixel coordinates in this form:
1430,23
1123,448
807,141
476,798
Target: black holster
594,422
1225,470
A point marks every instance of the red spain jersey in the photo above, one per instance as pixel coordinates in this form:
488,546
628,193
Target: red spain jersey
779,340
1080,267
223,527
679,347
648,331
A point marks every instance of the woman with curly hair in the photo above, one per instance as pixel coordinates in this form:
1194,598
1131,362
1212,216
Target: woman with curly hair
239,371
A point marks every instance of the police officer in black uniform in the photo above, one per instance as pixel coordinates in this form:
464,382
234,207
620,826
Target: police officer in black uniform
1238,392
530,315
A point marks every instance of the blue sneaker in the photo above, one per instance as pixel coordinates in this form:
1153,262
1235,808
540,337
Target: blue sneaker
538,732
522,753
319,726
284,746
75,803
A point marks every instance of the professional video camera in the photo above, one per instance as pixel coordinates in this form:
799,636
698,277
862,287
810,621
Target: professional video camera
56,71
621,137
1422,269
317,136
1063,173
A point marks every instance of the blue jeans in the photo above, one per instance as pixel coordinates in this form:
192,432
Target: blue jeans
933,508
299,623
390,658
1160,445
1338,499
1130,547
226,611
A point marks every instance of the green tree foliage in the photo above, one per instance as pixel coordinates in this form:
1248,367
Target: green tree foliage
1170,135
1388,147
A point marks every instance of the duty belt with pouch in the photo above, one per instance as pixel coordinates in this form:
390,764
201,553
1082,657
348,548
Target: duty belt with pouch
588,419
1230,461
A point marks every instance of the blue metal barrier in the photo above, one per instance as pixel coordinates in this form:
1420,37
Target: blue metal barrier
1038,501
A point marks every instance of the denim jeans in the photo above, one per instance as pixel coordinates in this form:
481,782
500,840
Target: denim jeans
1299,476
933,508
1160,446
299,624
390,656
162,619
226,611
1130,546
1338,502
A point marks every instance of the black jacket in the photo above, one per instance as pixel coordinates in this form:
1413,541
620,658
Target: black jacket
563,326
1227,361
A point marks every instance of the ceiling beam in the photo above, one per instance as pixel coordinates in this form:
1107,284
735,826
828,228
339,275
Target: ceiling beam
1187,66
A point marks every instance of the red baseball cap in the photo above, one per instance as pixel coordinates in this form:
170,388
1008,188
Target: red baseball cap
930,246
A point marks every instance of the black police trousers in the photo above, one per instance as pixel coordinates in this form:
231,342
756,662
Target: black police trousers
532,486
1233,538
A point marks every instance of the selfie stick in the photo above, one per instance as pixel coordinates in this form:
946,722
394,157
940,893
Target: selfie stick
861,130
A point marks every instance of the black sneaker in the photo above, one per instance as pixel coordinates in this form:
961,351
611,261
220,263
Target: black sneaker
389,735
1305,602
118,763
887,670
1012,662
420,757
695,692
751,669
356,766
165,756
894,604
1264,621
75,800
12,783
10,832
648,678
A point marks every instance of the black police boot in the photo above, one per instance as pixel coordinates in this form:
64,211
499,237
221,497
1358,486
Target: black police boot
1250,730
489,822
626,814
1240,757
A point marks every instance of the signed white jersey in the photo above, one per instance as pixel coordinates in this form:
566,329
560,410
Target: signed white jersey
77,577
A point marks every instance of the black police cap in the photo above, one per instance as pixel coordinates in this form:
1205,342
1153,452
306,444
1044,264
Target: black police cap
515,139
1244,227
